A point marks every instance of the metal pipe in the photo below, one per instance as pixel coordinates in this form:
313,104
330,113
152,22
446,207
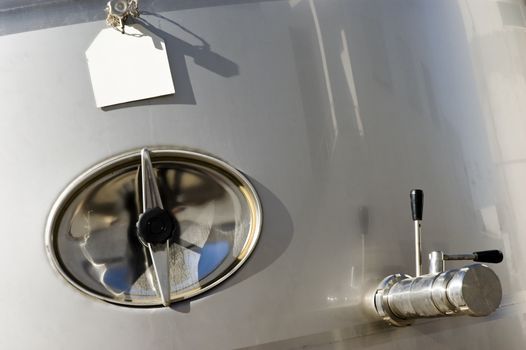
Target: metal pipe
436,262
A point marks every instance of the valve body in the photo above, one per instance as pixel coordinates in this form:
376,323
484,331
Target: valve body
473,290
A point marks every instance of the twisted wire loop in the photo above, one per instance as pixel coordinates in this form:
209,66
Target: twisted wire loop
118,12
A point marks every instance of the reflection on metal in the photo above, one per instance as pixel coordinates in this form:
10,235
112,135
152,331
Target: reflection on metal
351,83
473,290
93,240
328,84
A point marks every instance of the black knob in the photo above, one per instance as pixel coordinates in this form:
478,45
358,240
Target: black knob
489,256
417,204
155,226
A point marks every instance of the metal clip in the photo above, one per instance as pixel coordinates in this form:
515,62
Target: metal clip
118,12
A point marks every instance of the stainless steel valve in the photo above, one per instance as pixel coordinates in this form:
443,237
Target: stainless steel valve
473,290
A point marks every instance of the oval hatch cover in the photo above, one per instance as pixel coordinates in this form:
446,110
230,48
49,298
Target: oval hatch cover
152,227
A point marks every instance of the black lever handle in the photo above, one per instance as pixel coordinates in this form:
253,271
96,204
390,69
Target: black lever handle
417,204
489,256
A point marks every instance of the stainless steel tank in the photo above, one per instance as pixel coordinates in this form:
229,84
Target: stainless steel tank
332,110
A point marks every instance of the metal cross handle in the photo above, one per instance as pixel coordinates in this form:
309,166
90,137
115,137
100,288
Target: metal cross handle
155,228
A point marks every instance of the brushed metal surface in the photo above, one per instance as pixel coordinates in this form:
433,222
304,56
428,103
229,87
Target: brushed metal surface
327,106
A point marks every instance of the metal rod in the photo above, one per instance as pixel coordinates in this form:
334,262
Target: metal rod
418,248
459,256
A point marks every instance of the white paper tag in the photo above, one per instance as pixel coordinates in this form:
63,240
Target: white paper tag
128,67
